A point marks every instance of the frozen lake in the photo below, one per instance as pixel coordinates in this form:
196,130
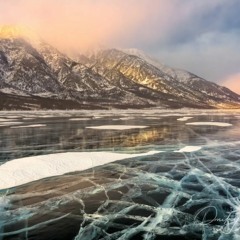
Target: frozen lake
123,174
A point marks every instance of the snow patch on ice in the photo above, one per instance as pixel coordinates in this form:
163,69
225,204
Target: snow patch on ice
30,126
126,118
117,127
189,149
184,119
219,124
79,119
24,170
28,118
48,116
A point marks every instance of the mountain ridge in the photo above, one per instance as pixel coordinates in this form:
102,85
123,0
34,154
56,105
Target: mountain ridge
109,78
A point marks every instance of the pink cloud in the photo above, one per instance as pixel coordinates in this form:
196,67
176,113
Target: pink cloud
233,83
78,23
89,22
82,23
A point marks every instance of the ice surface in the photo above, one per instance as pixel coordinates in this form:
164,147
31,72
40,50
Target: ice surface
117,127
153,118
4,202
13,117
23,170
190,190
10,123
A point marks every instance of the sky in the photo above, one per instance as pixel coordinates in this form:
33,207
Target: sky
199,36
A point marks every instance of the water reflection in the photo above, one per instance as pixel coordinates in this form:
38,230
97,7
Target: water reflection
60,134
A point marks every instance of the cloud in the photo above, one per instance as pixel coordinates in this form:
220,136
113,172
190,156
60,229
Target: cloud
118,22
233,83
211,55
75,23
159,23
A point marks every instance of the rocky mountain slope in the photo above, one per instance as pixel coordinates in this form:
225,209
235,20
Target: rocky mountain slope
35,75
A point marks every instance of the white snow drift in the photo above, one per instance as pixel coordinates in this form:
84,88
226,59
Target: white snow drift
24,170
117,127
183,119
219,124
31,126
190,149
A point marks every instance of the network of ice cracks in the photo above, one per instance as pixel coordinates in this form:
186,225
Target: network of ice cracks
166,196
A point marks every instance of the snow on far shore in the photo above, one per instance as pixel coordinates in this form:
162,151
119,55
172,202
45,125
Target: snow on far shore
117,127
219,124
23,170
189,149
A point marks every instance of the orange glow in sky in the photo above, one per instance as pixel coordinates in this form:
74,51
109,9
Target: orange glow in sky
76,24
233,83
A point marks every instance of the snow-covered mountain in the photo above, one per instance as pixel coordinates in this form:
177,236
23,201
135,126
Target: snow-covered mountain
35,75
172,86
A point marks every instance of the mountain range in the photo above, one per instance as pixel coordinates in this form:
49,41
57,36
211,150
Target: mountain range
35,75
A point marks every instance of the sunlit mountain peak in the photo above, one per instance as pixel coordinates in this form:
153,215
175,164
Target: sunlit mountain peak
17,31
